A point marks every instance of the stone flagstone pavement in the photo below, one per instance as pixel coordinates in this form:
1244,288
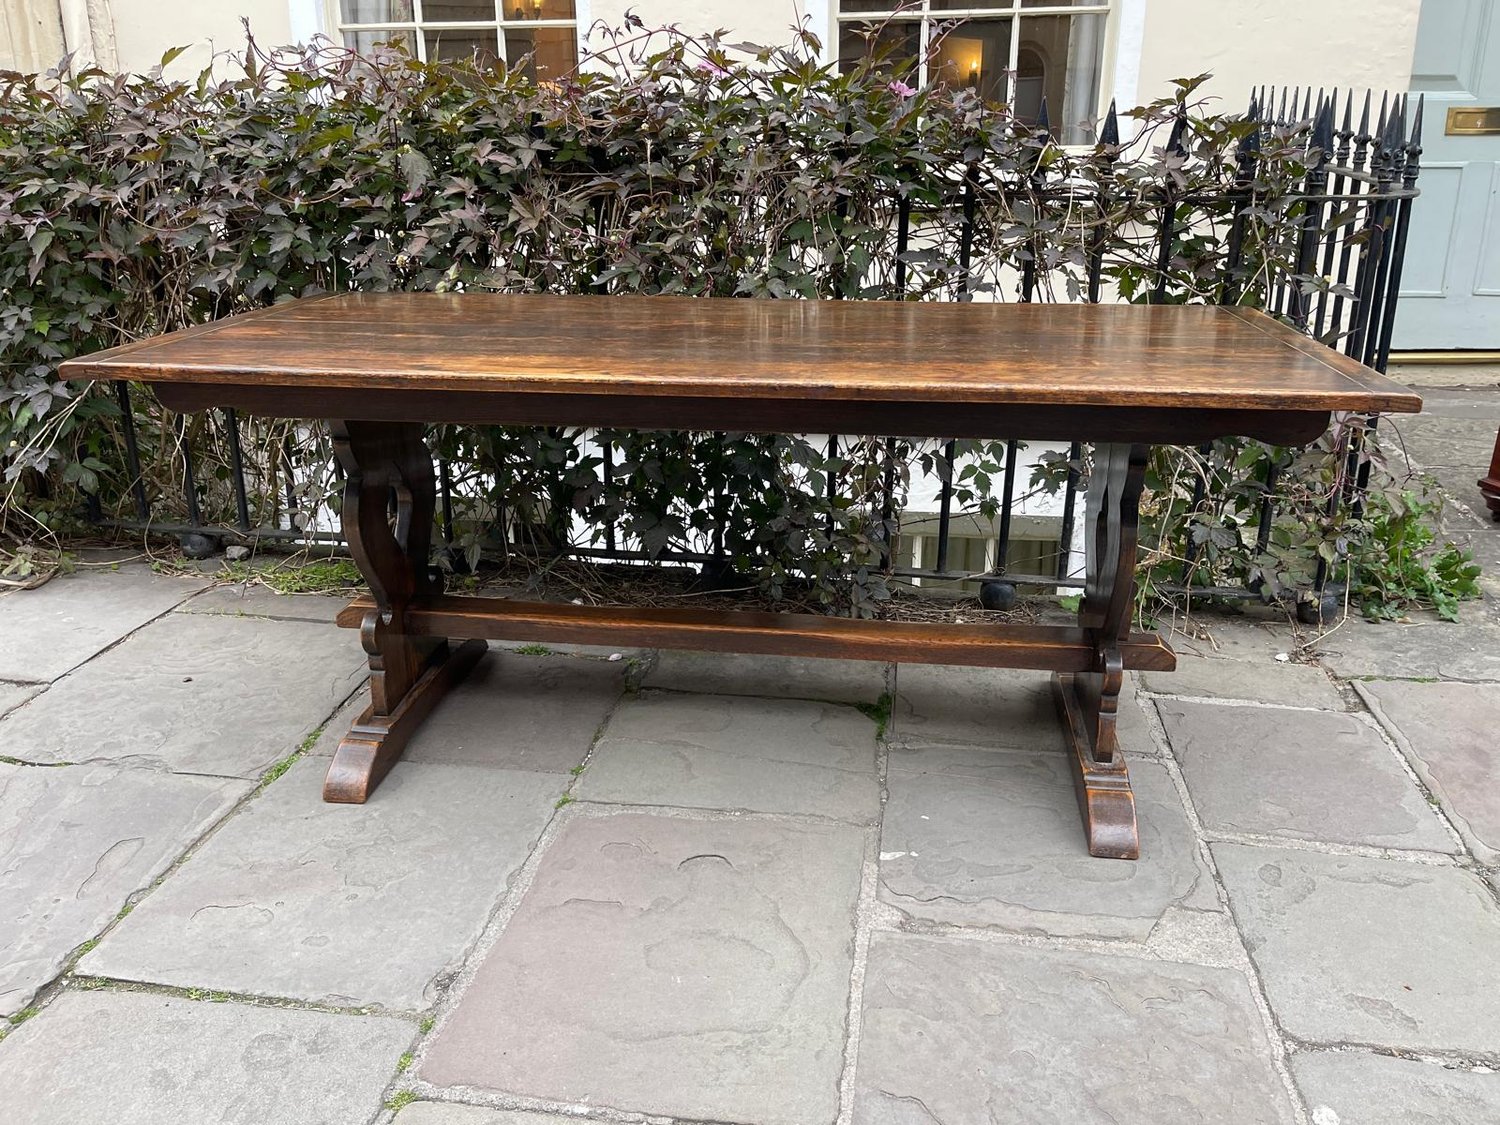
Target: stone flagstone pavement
684,888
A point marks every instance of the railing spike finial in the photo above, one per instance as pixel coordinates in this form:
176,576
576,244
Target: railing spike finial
1385,99
1110,133
1042,123
1363,136
1281,113
1306,114
1323,132
1414,148
1347,127
1414,145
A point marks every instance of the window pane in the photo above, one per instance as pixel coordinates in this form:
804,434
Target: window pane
365,42
536,9
462,43
458,11
897,45
959,5
976,54
886,6
1060,59
375,11
543,54
1064,3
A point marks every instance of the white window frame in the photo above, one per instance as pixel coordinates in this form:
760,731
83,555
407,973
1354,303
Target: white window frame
1123,23
335,28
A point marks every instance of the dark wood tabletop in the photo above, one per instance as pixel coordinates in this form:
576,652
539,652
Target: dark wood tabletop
1131,356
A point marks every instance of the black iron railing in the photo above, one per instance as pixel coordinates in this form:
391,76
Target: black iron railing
1340,286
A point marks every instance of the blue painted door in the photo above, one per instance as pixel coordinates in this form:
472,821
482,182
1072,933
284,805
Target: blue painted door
1450,287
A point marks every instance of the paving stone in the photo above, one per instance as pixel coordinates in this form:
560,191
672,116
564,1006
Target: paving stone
962,1031
141,1059
1375,951
193,693
1355,1088
1423,649
1450,441
696,968
515,712
75,843
994,707
340,904
722,752
1449,733
250,599
1298,774
994,838
1243,637
777,677
447,1113
1265,681
58,626
13,695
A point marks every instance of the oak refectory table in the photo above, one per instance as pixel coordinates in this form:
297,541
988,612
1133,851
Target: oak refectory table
379,367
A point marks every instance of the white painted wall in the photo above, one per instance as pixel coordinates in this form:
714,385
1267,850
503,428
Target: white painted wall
1244,43
146,29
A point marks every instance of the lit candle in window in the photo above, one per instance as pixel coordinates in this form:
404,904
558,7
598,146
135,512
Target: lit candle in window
974,73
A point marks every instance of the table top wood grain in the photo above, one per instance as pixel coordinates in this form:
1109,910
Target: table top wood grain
1132,356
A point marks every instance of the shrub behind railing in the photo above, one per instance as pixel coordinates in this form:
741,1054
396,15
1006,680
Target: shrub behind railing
133,205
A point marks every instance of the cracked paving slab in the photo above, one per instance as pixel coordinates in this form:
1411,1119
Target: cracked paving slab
13,695
449,1113
993,838
1449,734
75,843
965,1031
721,752
136,1058
193,693
1299,775
512,712
696,968
339,904
1357,1088
56,627
1381,952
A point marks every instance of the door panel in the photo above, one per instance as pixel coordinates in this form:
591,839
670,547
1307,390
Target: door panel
1450,287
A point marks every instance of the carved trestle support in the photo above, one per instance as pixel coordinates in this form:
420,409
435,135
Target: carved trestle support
1088,701
389,502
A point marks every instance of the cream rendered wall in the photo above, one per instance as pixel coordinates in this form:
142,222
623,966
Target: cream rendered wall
146,29
1355,44
31,35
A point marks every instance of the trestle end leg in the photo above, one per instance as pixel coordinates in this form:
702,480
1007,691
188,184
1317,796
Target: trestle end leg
1104,794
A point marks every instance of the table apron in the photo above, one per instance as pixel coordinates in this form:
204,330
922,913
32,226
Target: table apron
1156,425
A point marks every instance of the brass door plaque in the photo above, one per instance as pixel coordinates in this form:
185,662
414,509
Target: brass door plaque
1473,120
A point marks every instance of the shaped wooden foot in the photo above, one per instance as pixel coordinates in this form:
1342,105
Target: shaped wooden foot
375,742
1104,794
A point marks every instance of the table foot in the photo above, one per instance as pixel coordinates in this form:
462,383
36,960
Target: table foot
1104,794
375,742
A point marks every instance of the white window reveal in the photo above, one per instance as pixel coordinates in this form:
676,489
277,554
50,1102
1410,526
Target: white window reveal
542,32
1015,52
